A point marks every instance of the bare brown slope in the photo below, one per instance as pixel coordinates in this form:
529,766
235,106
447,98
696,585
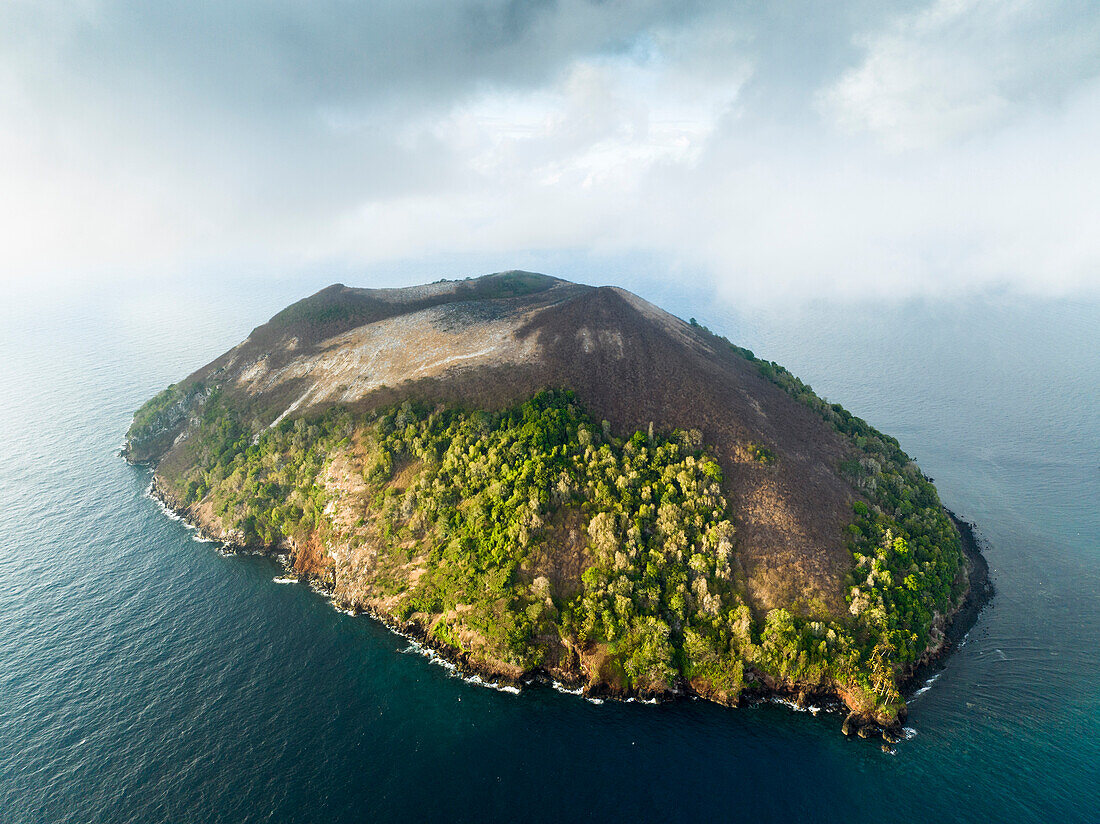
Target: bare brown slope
629,363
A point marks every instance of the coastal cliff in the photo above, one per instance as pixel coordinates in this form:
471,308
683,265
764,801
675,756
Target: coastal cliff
543,479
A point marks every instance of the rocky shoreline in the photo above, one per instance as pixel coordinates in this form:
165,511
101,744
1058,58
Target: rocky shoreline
979,593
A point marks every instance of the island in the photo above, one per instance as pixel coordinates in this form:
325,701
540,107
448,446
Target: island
547,480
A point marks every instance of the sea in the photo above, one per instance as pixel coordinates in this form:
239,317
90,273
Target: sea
146,676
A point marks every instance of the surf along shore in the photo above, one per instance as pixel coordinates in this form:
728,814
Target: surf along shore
955,627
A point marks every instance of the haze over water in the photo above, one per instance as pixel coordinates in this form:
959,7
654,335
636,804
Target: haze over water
146,677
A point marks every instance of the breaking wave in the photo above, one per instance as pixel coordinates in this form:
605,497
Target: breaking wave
927,686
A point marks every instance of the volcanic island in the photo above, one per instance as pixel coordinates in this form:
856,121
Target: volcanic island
544,480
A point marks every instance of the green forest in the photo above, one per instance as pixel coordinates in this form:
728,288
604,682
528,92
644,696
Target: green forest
459,507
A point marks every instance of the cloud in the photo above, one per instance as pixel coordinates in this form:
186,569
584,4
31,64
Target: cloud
779,151
957,67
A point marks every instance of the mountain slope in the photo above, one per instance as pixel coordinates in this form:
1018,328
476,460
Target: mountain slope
815,501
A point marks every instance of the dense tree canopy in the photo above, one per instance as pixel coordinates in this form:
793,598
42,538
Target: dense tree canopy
459,506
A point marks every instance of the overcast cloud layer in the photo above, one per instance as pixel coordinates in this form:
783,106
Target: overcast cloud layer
803,149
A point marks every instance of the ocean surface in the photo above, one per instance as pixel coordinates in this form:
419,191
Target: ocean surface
147,677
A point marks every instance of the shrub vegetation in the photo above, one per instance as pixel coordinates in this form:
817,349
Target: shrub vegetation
457,505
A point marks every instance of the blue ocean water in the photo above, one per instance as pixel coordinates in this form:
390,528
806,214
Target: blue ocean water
146,677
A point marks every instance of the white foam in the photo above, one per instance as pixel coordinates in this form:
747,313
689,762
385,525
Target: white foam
813,709
427,652
435,658
481,682
199,536
288,579
908,733
579,692
566,690
167,510
927,686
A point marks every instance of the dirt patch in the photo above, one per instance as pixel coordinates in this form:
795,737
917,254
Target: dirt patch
405,473
561,556
311,559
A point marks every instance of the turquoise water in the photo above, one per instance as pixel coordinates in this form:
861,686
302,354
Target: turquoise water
146,677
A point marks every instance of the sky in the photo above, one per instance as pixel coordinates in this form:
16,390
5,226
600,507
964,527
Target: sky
759,151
